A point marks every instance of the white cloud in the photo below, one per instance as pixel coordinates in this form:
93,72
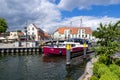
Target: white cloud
87,21
84,4
46,14
18,12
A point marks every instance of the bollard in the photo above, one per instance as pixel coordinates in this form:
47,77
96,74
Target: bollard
85,47
68,48
42,46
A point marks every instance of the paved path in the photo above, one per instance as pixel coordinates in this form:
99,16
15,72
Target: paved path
6,45
13,45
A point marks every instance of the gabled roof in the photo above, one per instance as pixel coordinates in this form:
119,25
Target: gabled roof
74,30
37,28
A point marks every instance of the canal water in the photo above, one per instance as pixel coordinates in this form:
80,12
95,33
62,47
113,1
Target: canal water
38,67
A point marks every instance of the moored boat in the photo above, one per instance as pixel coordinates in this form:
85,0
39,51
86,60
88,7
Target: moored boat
60,49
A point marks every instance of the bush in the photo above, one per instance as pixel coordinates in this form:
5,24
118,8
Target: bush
100,69
115,69
109,76
100,50
117,61
105,59
95,69
94,78
103,69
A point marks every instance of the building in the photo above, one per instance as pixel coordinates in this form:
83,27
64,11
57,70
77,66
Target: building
14,35
35,33
11,36
73,32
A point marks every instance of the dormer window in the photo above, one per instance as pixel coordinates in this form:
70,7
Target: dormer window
83,31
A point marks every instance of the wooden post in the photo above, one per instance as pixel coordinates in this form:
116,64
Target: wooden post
85,46
68,48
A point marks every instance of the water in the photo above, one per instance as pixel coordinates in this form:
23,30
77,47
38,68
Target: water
37,67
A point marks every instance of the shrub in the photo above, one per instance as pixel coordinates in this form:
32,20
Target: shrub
99,69
105,59
100,50
102,69
117,61
109,76
95,69
115,69
94,78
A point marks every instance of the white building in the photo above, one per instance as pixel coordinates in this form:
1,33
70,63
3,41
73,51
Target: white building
73,32
35,33
14,35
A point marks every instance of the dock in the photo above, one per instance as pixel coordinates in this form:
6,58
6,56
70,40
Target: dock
20,51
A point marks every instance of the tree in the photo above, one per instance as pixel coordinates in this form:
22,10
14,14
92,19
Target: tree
109,38
3,25
108,33
19,31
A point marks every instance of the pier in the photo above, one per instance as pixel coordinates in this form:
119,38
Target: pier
20,51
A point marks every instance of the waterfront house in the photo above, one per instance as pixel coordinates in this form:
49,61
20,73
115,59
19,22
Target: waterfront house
14,35
73,32
10,36
36,33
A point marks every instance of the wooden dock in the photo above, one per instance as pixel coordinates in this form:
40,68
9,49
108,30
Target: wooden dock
20,51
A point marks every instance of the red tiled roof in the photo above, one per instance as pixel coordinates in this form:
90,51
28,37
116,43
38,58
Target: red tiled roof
47,35
74,30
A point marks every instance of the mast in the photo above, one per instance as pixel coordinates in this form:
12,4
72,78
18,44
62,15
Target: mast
81,22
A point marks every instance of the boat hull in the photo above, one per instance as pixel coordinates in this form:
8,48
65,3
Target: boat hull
60,51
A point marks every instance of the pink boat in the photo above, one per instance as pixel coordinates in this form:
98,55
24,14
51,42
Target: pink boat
61,49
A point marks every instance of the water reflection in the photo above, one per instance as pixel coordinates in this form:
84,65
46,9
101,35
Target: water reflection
37,67
54,58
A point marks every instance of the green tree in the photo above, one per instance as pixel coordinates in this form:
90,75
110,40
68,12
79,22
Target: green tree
109,39
108,33
3,25
19,31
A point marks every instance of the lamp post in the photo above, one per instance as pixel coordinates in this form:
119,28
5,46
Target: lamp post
26,35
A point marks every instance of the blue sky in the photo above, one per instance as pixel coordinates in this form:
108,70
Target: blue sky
51,14
110,10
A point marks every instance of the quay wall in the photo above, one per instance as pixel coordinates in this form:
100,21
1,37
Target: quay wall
20,51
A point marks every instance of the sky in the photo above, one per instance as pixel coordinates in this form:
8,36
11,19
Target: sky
52,14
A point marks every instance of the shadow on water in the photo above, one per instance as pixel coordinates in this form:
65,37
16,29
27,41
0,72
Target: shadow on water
38,67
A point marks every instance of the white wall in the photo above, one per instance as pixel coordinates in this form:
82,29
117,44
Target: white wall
62,36
30,31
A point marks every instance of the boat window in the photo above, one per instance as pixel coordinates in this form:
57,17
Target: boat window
72,45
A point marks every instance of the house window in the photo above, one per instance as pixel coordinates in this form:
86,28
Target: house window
82,36
79,31
86,35
14,34
28,33
79,35
28,29
32,33
32,28
83,31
